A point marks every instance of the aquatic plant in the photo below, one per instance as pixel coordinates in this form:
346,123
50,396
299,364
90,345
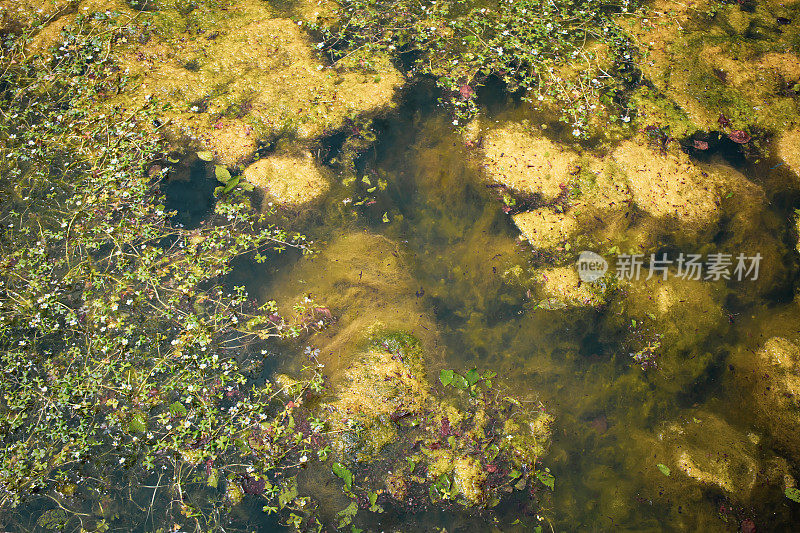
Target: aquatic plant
124,356
551,51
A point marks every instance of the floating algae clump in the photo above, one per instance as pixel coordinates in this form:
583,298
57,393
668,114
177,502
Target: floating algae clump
527,162
668,186
561,287
469,476
253,78
788,150
546,227
288,179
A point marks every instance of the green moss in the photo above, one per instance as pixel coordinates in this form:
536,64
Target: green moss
656,109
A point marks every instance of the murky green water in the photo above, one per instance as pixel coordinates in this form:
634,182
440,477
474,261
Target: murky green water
438,266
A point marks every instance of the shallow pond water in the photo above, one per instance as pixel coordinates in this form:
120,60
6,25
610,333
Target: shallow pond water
433,255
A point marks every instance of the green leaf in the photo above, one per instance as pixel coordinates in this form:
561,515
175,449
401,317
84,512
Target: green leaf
205,156
233,182
793,494
222,174
373,506
472,377
446,377
664,469
346,515
547,479
177,409
459,382
138,424
213,478
514,474
344,474
287,495
492,451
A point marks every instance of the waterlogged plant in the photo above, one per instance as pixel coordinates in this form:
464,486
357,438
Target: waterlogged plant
125,360
471,381
549,50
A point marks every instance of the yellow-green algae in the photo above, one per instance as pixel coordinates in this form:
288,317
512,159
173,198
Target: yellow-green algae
363,278
289,179
237,73
715,59
787,149
771,374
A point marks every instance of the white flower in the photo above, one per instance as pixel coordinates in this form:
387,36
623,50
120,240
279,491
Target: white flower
576,132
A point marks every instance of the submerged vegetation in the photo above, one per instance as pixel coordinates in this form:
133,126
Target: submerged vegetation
447,336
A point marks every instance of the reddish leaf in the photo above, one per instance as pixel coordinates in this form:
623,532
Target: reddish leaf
739,136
